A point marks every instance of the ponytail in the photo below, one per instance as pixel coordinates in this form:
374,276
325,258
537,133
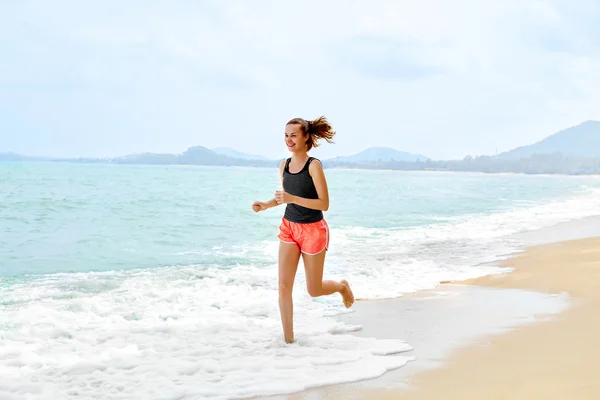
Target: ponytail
316,129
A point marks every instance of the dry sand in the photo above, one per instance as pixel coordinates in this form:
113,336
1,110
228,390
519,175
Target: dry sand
556,359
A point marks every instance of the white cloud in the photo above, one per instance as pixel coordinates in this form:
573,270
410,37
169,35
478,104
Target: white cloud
434,77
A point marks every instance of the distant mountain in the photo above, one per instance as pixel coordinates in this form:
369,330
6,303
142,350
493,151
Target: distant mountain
201,155
379,154
18,157
11,157
197,155
582,140
229,152
575,150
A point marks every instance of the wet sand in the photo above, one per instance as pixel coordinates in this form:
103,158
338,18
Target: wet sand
556,359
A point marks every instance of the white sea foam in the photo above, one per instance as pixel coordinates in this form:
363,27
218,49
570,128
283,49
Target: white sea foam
171,333
210,332
386,263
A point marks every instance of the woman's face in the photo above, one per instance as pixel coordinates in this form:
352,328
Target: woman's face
295,140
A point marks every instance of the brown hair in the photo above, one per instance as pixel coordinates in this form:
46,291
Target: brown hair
316,129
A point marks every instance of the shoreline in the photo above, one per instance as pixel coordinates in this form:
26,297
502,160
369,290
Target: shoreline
555,359
515,361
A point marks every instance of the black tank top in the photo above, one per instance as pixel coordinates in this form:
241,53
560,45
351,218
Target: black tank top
300,184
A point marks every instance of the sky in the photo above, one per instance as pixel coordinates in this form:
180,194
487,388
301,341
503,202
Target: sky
435,77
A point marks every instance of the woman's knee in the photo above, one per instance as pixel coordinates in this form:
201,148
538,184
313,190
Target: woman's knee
285,288
314,290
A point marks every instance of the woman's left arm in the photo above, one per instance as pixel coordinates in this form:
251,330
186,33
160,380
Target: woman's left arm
315,169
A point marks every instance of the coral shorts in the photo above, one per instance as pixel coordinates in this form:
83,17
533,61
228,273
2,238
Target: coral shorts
312,238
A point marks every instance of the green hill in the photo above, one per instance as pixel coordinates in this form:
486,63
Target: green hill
582,140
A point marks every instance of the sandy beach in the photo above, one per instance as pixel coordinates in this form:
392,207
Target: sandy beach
557,359
551,352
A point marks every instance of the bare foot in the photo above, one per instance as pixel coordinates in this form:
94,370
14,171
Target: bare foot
289,340
347,294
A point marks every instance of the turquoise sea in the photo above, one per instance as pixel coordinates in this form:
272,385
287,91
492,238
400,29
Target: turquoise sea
160,282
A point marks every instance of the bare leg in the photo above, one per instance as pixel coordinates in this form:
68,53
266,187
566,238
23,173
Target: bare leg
315,284
289,255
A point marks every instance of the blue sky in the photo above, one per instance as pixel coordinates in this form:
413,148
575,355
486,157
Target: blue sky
440,78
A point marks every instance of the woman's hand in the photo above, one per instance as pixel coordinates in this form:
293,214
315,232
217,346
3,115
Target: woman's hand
283,197
259,206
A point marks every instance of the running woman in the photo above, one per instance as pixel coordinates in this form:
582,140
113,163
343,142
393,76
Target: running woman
303,230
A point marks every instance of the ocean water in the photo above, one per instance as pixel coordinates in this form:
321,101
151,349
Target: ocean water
160,282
